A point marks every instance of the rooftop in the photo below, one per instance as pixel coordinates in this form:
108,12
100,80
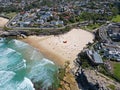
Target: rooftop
97,58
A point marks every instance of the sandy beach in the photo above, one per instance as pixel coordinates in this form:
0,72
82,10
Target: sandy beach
3,21
61,48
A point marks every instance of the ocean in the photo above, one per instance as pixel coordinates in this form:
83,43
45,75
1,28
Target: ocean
21,66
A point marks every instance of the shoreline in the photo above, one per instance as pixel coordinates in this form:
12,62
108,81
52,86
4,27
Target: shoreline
61,48
46,53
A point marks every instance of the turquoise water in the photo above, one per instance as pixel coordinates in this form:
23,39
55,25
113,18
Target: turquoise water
22,65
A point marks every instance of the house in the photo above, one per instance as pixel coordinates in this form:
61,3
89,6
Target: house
113,31
40,21
113,54
24,24
97,58
13,23
94,57
57,22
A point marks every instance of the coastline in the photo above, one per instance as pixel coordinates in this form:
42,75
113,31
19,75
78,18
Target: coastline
46,53
61,48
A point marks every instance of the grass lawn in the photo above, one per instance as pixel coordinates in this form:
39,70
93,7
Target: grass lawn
112,87
116,19
11,15
93,26
116,69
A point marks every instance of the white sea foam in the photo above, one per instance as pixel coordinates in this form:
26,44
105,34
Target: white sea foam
26,85
18,57
5,76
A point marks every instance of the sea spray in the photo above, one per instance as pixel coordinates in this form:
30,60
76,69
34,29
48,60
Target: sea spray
7,82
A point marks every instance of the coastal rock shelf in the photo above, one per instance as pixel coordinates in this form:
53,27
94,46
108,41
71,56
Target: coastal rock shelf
22,65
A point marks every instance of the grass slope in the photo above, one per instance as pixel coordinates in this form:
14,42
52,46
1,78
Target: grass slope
116,19
116,70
